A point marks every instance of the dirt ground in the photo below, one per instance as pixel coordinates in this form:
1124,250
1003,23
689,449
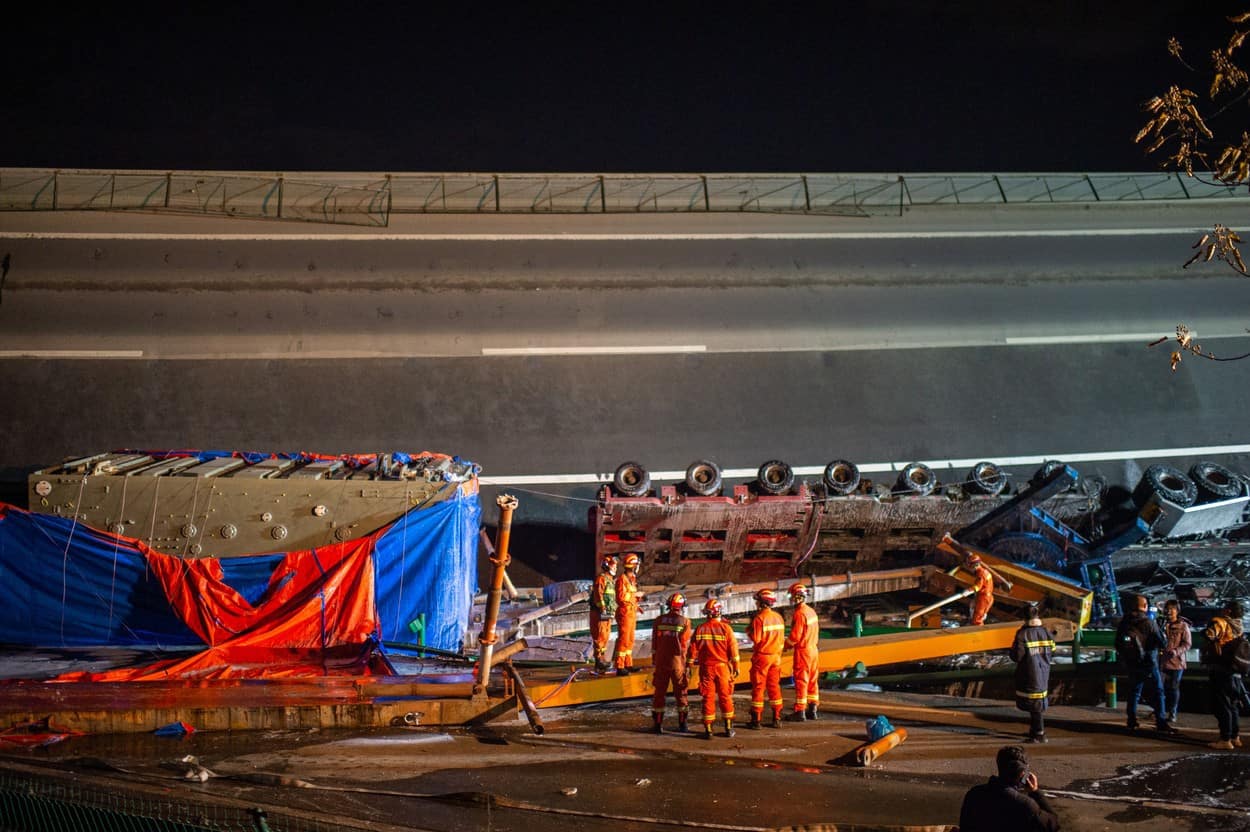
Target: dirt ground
599,767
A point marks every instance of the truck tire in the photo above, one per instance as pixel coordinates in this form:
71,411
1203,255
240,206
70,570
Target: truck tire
1215,482
841,477
703,478
1169,483
916,480
631,480
775,477
986,478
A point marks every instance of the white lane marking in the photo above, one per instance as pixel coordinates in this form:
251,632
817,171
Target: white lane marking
889,467
640,350
71,353
366,237
676,349
1022,340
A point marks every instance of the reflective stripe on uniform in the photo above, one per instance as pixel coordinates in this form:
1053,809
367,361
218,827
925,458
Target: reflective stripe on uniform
708,637
1023,695
1047,643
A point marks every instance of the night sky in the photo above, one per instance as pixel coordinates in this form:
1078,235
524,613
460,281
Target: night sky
905,86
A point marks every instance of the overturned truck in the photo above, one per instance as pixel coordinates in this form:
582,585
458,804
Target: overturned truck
698,532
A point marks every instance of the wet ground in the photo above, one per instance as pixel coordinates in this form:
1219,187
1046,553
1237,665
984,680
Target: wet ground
597,767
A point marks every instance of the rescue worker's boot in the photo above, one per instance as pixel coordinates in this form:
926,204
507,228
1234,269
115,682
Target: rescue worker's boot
729,728
681,722
776,723
707,731
657,726
797,716
811,710
600,665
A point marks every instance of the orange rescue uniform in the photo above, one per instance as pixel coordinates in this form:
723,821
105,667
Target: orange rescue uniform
805,639
715,649
768,637
984,585
670,642
626,616
602,610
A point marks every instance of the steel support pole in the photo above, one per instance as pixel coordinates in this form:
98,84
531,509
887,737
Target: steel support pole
507,505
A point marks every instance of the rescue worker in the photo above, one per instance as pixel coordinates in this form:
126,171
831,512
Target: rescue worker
602,611
804,639
715,651
1228,655
626,615
983,583
670,642
1031,651
768,638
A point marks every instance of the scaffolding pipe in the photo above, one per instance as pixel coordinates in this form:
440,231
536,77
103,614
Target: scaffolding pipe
509,588
966,553
865,755
523,696
499,561
937,605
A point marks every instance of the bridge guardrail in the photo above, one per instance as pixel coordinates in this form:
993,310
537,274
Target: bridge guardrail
370,198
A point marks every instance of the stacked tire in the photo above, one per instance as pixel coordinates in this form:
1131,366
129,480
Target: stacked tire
841,477
1168,483
916,480
986,478
631,480
703,478
1215,482
775,477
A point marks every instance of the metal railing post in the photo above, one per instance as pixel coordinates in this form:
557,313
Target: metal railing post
707,200
807,197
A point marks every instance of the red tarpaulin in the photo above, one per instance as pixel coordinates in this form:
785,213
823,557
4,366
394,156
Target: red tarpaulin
318,616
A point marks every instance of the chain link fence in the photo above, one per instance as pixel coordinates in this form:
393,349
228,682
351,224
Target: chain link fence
29,803
369,199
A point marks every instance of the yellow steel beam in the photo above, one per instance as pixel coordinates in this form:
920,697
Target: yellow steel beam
1029,586
835,654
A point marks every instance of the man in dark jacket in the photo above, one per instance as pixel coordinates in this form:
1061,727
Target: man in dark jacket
1010,800
1137,641
1031,652
1228,654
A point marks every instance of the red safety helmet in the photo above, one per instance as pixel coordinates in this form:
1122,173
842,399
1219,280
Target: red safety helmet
712,608
798,590
676,602
609,564
765,597
974,559
632,561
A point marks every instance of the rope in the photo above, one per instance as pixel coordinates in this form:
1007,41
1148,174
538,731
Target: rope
82,484
555,496
576,672
116,543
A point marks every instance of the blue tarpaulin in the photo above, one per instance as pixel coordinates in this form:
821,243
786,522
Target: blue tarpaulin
68,585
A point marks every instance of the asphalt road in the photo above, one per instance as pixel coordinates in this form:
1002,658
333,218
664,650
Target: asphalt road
947,335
